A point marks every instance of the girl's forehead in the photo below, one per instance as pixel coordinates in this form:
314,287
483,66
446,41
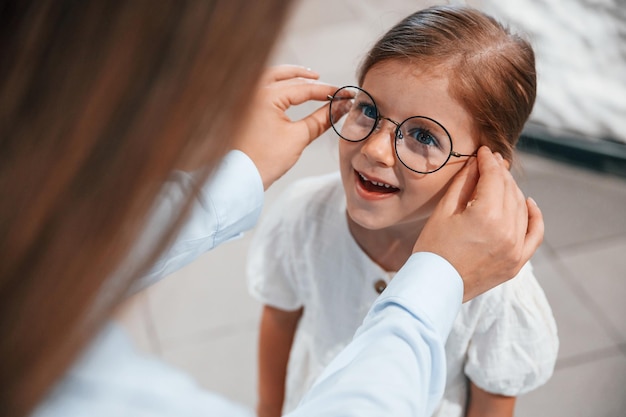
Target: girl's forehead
403,88
402,83
395,70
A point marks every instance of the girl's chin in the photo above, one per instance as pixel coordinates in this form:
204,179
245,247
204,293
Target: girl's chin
367,221
372,222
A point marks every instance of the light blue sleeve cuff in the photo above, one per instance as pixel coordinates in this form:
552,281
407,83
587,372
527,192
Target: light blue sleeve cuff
235,192
429,287
228,204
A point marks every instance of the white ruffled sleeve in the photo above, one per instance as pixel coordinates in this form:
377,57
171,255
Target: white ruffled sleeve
515,344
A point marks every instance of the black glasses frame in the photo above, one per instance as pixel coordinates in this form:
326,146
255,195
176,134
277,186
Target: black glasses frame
398,133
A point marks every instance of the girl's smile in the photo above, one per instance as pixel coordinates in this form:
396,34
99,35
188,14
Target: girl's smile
371,188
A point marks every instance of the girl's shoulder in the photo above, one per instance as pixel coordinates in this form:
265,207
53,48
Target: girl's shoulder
511,336
517,309
522,294
520,287
313,191
310,199
306,208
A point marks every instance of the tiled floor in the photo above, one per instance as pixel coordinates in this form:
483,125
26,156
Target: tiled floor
202,320
582,268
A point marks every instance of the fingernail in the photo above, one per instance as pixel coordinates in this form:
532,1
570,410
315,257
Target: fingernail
497,154
532,201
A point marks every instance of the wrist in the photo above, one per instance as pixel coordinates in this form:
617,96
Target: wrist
427,286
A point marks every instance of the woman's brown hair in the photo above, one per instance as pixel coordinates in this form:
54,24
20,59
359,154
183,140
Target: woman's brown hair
491,71
100,101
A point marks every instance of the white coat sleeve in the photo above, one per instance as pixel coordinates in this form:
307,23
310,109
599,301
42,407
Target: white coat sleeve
228,204
395,365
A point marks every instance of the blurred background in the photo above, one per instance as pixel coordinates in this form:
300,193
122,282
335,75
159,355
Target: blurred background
573,163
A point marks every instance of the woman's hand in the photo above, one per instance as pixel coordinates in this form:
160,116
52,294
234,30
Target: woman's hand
270,138
483,225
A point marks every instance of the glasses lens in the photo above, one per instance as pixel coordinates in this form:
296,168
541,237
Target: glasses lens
353,113
423,145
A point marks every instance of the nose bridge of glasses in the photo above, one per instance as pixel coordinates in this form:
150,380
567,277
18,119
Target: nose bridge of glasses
379,120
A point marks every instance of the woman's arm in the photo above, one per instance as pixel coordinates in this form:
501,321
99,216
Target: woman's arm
485,404
276,336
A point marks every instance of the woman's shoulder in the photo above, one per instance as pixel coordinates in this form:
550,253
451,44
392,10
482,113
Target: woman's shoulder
112,378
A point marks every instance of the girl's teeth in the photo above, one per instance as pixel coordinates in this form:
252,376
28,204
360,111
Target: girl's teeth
380,184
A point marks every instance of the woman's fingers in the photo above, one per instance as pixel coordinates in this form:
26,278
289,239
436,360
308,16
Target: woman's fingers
483,226
462,188
301,91
316,123
285,72
269,137
534,234
491,187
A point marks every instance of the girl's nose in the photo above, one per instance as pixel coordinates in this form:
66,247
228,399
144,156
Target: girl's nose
378,147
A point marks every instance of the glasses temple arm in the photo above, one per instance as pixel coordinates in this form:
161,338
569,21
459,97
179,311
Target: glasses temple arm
458,155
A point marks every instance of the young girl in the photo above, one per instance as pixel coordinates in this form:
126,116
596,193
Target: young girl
432,90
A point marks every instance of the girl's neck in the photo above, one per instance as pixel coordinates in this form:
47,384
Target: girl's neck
390,247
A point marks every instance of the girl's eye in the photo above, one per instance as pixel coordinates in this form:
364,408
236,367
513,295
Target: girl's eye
424,137
368,110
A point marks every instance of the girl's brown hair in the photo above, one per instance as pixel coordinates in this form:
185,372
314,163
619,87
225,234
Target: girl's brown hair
100,101
491,71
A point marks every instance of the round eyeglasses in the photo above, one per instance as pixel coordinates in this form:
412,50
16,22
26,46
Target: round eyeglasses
422,144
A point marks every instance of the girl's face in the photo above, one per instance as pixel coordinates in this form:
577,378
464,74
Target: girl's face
405,198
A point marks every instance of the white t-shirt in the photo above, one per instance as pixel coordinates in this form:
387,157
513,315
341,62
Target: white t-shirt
303,255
